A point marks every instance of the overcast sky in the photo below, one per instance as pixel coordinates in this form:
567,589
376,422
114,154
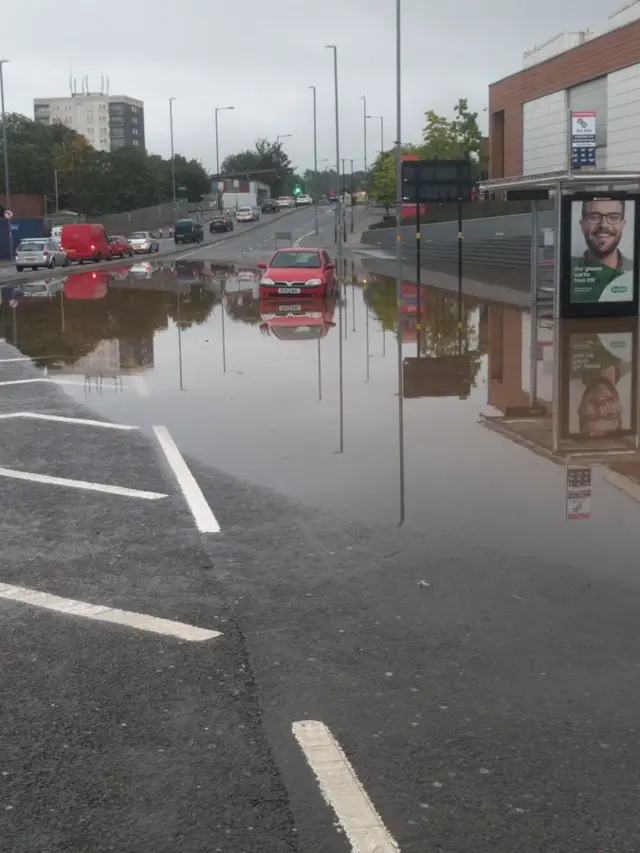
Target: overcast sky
261,55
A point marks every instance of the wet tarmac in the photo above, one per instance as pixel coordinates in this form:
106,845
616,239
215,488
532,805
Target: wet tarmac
513,431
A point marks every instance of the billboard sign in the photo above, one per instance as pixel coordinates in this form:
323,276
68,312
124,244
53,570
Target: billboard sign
583,139
600,260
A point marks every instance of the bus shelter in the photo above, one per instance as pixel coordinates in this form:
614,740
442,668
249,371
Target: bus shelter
586,253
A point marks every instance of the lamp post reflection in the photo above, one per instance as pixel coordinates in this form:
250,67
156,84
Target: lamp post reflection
179,342
341,321
319,373
223,305
366,320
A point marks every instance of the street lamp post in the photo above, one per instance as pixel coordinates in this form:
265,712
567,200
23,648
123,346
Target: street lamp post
315,151
399,246
173,159
334,48
283,136
353,196
5,148
381,120
219,110
364,106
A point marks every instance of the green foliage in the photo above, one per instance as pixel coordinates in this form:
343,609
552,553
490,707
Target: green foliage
89,181
450,139
267,162
384,178
325,181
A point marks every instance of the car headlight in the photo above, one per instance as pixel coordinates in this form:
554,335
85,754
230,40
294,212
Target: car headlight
314,282
267,281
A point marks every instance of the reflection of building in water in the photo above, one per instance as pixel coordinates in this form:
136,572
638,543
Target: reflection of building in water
113,357
532,391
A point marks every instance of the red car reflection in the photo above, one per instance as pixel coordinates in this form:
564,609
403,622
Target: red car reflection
291,321
87,285
298,272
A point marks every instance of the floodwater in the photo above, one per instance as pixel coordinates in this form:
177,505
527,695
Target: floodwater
512,430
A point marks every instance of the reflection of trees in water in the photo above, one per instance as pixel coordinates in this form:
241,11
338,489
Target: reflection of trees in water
440,335
193,308
246,310
72,330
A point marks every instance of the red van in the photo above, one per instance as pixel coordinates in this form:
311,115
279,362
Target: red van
85,243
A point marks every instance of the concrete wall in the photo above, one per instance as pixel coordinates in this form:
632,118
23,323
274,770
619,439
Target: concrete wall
144,219
544,132
623,118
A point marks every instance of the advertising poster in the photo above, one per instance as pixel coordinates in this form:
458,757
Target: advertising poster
602,247
600,383
583,139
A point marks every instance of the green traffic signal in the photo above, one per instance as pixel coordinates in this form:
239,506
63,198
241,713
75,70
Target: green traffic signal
297,190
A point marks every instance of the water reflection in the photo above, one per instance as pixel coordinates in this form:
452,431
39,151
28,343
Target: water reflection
498,409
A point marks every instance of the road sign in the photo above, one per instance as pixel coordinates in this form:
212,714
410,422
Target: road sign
583,139
436,181
236,183
13,303
8,214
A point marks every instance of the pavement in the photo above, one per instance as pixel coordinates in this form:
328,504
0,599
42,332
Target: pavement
255,630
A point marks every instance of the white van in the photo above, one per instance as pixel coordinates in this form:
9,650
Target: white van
56,234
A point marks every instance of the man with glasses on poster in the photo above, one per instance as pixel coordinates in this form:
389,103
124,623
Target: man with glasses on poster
602,273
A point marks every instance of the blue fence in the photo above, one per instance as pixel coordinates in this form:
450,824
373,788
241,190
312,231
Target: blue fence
20,230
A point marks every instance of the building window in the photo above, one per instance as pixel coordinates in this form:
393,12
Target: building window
135,141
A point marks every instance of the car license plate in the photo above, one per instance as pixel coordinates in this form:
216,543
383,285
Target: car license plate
284,308
30,258
291,290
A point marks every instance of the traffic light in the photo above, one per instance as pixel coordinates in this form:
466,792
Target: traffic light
297,190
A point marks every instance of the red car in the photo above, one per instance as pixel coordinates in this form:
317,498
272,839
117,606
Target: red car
120,247
298,272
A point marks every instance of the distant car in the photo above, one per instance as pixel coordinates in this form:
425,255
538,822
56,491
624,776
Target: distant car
269,205
284,201
143,243
188,231
85,241
304,200
324,199
40,253
220,223
247,214
120,247
298,272
333,198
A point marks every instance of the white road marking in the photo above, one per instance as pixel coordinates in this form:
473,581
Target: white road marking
342,789
204,518
10,360
30,477
141,386
60,419
107,614
299,241
75,382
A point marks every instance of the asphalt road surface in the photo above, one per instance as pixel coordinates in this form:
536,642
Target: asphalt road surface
238,623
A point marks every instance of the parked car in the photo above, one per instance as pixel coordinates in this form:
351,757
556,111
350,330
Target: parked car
298,272
284,201
220,223
188,231
304,200
144,243
40,253
85,242
120,247
269,205
247,214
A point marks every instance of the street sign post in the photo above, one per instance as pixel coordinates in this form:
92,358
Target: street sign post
438,182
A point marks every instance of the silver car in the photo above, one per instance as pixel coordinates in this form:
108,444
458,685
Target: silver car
143,242
40,253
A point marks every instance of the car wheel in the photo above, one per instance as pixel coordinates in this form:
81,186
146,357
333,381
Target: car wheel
66,261
19,269
52,263
34,268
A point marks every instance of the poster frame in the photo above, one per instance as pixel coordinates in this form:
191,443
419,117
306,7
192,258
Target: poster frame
596,326
577,310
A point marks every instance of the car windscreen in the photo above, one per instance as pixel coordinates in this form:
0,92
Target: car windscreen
31,246
245,209
296,260
139,235
185,225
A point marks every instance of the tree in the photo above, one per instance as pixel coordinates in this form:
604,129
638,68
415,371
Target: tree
451,139
268,163
89,181
384,179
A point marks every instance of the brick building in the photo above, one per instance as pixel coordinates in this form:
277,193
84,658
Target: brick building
529,110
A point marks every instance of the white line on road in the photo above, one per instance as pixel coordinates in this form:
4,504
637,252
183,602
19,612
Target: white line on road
29,476
140,384
10,360
204,518
106,614
63,420
300,240
342,789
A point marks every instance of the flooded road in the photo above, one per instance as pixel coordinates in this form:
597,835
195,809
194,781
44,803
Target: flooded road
499,406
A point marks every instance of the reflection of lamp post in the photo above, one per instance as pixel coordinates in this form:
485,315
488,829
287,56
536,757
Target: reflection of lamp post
223,302
179,342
